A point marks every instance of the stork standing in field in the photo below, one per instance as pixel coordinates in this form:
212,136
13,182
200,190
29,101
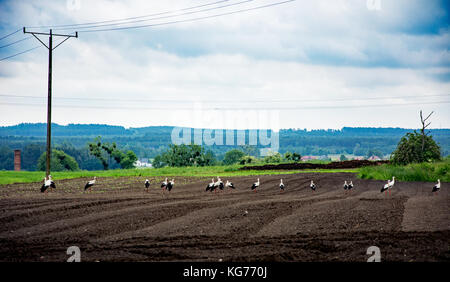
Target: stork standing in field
312,186
255,185
147,184
345,186
90,184
219,183
436,187
46,185
350,186
385,187
230,185
170,185
281,186
164,184
210,186
391,184
52,183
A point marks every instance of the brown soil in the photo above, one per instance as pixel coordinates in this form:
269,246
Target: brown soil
119,221
332,165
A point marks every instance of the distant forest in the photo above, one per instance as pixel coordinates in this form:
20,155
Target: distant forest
147,142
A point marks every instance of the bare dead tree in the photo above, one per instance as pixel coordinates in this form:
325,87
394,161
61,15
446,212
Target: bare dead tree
424,126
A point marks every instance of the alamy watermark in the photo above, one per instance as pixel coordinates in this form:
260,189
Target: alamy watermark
375,253
73,5
266,136
373,5
75,254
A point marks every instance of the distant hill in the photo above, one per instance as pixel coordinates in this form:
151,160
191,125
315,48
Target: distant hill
40,129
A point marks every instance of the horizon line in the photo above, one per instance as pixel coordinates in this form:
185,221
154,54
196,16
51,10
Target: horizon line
174,126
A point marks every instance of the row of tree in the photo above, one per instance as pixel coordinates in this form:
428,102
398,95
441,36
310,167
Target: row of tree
414,147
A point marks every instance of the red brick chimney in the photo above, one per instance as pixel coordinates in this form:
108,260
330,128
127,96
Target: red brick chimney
17,160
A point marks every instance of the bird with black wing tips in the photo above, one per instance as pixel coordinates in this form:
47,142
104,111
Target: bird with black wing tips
52,183
281,186
210,186
345,186
46,185
170,185
147,184
350,186
164,184
313,186
219,184
436,187
230,185
90,184
385,188
255,186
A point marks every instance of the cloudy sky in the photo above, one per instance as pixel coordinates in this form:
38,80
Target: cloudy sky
229,64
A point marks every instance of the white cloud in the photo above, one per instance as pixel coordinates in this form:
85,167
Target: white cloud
321,50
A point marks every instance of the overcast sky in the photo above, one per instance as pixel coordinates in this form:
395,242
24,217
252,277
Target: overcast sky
301,64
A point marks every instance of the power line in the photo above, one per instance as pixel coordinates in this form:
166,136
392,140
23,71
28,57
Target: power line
20,53
231,101
164,23
1,38
15,42
158,18
192,19
239,108
23,52
130,18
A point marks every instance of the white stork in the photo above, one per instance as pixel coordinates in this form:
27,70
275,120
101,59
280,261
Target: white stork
147,184
436,187
386,187
90,184
219,183
345,185
164,184
312,186
255,185
46,184
210,186
281,185
230,185
170,185
350,186
52,183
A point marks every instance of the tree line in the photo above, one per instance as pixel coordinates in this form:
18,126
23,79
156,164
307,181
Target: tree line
95,153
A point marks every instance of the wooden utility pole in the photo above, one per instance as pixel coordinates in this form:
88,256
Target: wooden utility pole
49,99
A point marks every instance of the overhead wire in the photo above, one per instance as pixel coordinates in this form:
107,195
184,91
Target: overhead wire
26,51
20,53
130,18
192,19
163,23
81,29
8,35
15,42
230,101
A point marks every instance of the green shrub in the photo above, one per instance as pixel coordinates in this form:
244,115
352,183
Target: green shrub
428,171
59,161
409,149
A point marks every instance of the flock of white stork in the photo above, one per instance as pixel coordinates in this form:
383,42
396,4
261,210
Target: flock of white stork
214,185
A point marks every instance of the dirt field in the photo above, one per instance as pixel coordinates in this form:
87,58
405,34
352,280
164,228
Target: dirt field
119,221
